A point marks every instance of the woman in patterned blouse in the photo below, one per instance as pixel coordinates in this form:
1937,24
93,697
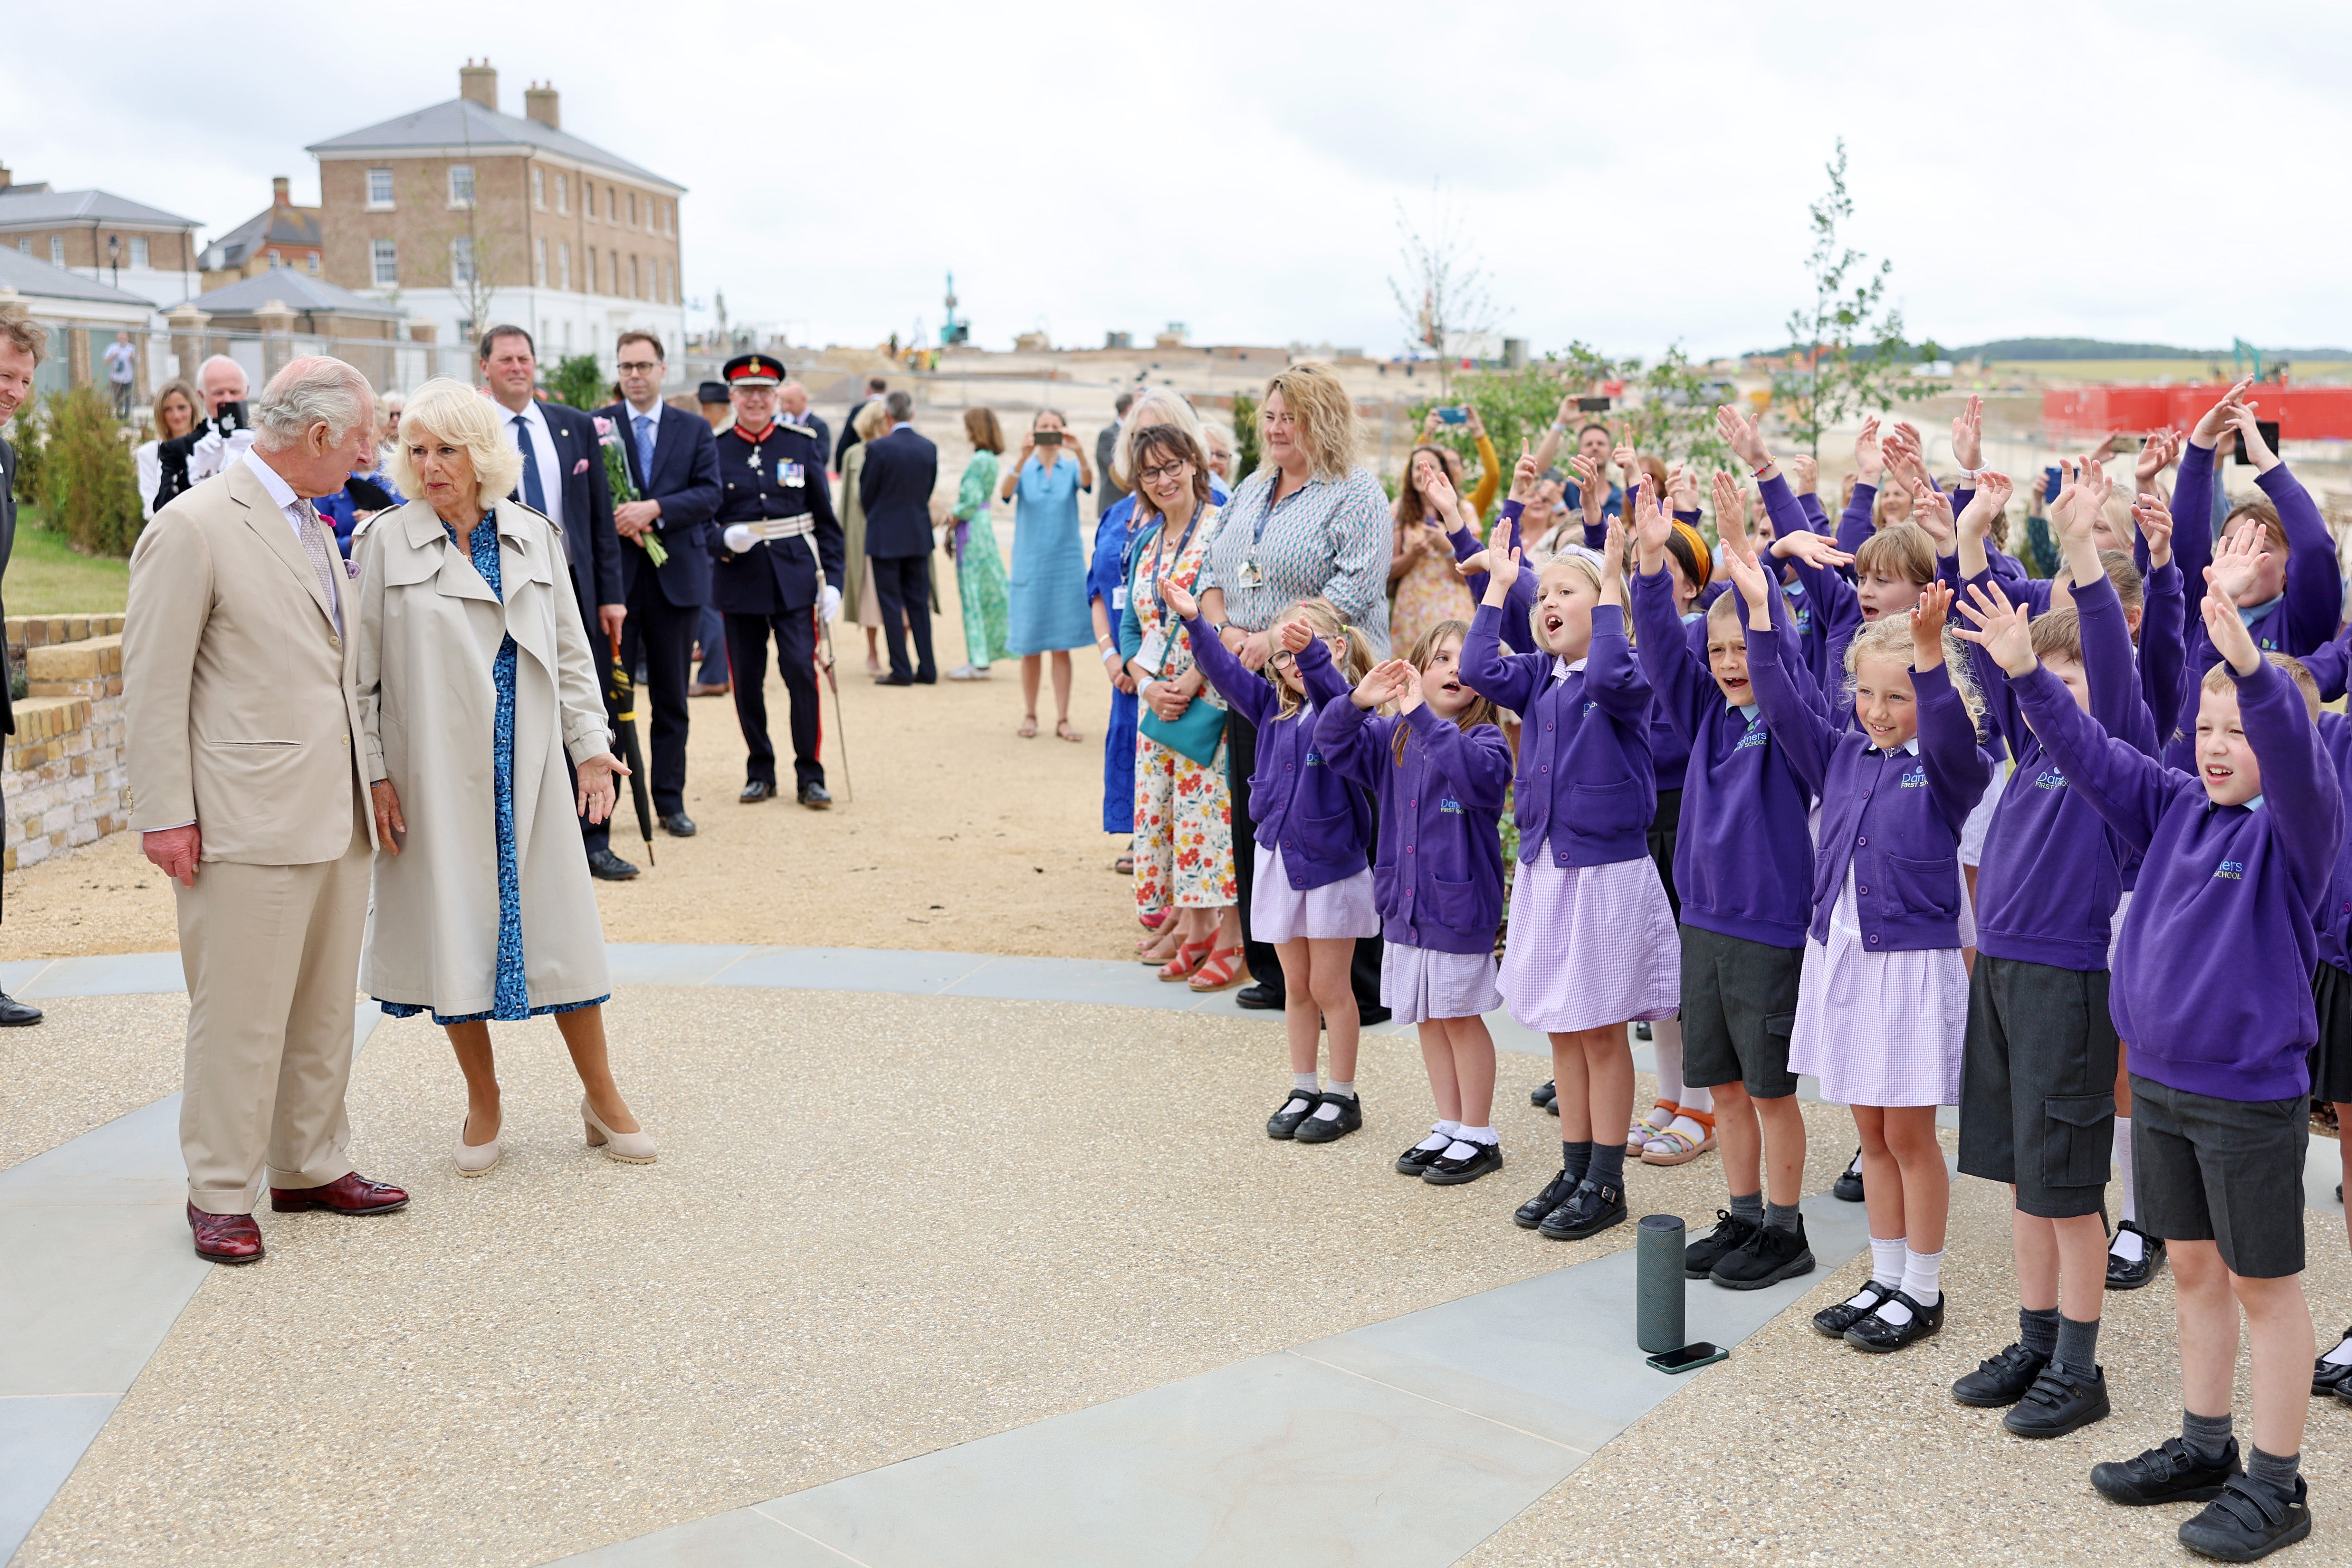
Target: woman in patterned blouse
1312,520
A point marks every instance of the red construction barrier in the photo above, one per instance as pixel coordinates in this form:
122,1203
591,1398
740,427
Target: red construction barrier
2303,413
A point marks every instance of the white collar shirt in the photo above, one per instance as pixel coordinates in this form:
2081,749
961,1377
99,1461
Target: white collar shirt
542,442
289,506
651,416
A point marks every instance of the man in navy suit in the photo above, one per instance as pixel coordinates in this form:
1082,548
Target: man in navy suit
563,479
901,467
675,466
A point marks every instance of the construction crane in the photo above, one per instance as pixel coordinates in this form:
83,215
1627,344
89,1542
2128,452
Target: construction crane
953,331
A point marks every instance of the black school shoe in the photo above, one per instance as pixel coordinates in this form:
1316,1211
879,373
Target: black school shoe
2000,1380
1532,1213
2328,1376
1848,1189
2249,1520
1297,1108
1834,1319
2166,1473
1767,1258
1544,1094
2062,1400
1416,1160
2125,1275
1484,1160
1730,1232
1878,1336
1589,1210
1260,998
1330,1129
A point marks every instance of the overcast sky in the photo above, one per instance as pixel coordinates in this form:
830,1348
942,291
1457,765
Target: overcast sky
1631,176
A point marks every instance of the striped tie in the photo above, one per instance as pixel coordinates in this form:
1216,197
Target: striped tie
323,557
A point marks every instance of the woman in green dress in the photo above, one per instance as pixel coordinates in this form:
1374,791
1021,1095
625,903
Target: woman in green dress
979,568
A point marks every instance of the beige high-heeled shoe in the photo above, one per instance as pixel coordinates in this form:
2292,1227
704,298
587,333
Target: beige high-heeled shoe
475,1159
631,1148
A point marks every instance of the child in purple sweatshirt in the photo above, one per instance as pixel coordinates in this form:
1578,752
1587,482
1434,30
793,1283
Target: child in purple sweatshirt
1440,768
1591,943
1744,861
1312,898
2037,1091
2213,989
1883,997
2297,601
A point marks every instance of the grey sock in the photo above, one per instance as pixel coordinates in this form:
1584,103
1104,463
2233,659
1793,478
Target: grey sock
1748,1206
1575,1159
1780,1216
2207,1437
1607,1167
2038,1331
2078,1346
2277,1473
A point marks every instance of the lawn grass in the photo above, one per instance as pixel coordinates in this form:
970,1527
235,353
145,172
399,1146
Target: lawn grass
45,577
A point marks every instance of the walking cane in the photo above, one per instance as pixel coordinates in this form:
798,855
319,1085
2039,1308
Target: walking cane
623,694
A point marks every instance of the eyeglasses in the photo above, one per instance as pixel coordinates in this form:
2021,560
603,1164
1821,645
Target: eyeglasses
639,366
1164,471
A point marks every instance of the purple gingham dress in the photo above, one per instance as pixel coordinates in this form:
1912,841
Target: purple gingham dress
1590,945
1881,1028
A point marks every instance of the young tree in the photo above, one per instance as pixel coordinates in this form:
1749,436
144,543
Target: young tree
1848,346
1443,294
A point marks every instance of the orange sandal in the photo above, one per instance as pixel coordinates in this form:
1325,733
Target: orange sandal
1221,972
1188,958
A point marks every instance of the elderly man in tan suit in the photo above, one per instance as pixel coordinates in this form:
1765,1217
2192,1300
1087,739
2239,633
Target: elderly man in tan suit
250,792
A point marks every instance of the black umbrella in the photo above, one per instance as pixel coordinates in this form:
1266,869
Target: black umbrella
621,696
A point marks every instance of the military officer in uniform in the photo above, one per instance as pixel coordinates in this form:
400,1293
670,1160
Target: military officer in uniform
779,552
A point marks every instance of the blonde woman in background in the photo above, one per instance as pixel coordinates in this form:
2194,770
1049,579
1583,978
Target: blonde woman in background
1217,438
971,541
175,415
871,422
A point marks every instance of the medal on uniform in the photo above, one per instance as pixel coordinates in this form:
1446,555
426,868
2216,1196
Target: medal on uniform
789,474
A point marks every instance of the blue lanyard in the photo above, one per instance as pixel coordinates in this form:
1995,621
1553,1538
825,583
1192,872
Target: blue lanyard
1181,543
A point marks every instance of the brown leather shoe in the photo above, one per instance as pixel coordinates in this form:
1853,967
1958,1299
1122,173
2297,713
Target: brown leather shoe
224,1237
354,1194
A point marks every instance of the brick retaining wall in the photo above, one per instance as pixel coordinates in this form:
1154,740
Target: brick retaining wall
62,775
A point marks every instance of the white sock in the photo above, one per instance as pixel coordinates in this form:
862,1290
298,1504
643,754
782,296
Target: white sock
1480,1135
1441,1134
1854,1168
1344,1091
2341,1354
1688,1128
1460,1148
2124,1169
1923,1277
2128,1245
1885,1268
1327,1111
1666,1044
1305,1083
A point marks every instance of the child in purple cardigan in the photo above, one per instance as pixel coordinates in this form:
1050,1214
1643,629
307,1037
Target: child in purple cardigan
1440,768
1883,1000
2213,989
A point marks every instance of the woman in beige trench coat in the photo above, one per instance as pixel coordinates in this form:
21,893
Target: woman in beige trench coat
475,685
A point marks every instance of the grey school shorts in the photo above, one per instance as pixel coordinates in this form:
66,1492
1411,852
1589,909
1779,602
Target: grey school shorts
1739,1002
2331,1058
2224,1171
2038,1084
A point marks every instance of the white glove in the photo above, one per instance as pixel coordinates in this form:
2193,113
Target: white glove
738,537
828,604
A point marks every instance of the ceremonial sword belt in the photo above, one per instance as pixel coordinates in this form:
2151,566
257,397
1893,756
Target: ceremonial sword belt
782,527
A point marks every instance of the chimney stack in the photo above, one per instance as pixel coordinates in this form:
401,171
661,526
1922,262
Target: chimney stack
277,192
7,179
478,83
538,103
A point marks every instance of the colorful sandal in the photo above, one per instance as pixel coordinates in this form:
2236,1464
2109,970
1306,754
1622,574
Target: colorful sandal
1643,1130
1188,958
1222,971
1669,1147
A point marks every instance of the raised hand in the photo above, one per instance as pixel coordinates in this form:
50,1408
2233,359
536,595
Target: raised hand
2232,639
1928,618
1524,474
1968,435
1731,514
2085,500
1612,550
1681,488
1177,602
2238,557
2002,628
1294,634
1408,695
2250,436
1381,684
1813,548
1502,572
1931,508
2153,520
1740,433
1754,587
1804,475
2162,450
1906,458
1628,462
1438,496
1990,499
1650,527
1591,490
2220,417
1869,453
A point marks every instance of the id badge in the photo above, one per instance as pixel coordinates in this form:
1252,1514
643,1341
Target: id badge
1118,598
1251,578
1154,652
789,474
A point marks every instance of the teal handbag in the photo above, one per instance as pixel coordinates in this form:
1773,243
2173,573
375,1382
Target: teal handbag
1195,735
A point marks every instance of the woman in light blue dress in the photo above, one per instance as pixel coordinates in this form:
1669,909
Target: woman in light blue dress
1049,564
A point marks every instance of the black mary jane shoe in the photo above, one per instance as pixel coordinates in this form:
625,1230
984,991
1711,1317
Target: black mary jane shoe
1319,1129
2329,1376
2166,1473
1877,1335
1297,1108
1847,1189
1544,1094
2000,1380
756,791
1589,1210
1531,1214
1416,1160
1484,1159
2124,1274
1835,1318
2248,1521
816,797
1731,1233
2062,1400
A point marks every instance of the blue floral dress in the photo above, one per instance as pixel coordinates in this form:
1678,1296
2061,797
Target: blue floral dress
511,1001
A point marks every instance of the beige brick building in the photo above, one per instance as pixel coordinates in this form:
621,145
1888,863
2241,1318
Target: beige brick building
465,216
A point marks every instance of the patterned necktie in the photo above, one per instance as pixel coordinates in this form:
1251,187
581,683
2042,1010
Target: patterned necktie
322,557
534,496
646,447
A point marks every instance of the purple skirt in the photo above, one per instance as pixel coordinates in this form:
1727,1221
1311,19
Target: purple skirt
1590,945
1280,913
1418,985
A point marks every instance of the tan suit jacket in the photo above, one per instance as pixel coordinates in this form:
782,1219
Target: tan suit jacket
240,714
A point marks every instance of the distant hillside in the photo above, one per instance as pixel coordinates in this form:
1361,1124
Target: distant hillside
2100,349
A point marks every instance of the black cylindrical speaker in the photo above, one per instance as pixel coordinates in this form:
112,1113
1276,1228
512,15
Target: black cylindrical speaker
1658,1284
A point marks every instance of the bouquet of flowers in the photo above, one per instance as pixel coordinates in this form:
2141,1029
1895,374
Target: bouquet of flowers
624,489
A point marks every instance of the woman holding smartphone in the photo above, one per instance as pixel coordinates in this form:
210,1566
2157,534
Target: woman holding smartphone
1049,564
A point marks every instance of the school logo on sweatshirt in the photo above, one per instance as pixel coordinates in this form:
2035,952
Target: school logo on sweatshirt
1917,778
2051,778
2231,870
1450,803
1314,758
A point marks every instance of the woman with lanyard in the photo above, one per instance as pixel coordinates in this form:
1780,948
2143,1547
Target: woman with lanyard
1183,816
1311,520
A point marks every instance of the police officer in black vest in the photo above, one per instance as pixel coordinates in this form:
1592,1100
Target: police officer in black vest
779,552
